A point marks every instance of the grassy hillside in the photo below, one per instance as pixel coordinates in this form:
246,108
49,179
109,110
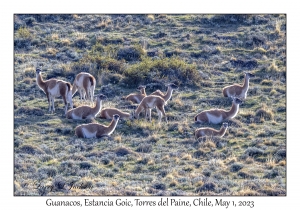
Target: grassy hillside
201,54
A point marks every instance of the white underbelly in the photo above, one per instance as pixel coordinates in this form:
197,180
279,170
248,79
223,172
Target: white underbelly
75,117
88,134
214,119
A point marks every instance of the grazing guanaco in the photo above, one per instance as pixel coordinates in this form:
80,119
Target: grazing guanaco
95,130
137,98
108,113
237,90
206,131
55,88
85,83
86,112
216,116
168,94
148,103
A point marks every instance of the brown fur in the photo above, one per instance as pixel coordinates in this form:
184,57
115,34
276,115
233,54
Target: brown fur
86,112
84,81
137,98
108,113
168,94
206,131
101,130
148,103
47,85
222,115
237,90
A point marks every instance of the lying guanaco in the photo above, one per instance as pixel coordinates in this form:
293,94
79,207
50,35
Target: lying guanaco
216,116
237,90
95,130
206,131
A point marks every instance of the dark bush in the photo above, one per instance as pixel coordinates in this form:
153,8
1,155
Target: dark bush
228,19
50,171
85,165
236,167
131,53
29,149
105,160
81,43
281,153
209,186
162,70
29,21
122,151
254,151
206,172
247,64
271,174
69,167
59,182
199,153
159,186
145,148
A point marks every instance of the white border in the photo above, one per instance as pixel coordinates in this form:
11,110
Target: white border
153,6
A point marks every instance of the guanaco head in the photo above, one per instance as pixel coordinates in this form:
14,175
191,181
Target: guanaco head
249,75
225,125
38,70
101,97
116,117
236,100
139,88
172,86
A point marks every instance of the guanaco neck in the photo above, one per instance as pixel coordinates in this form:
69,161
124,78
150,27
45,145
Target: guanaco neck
246,83
233,111
222,131
143,92
98,106
168,95
41,83
111,127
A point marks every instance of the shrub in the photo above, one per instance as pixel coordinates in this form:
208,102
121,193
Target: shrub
159,186
85,165
93,63
265,113
30,149
163,70
254,151
145,148
209,186
236,167
131,53
122,151
24,33
50,171
59,182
